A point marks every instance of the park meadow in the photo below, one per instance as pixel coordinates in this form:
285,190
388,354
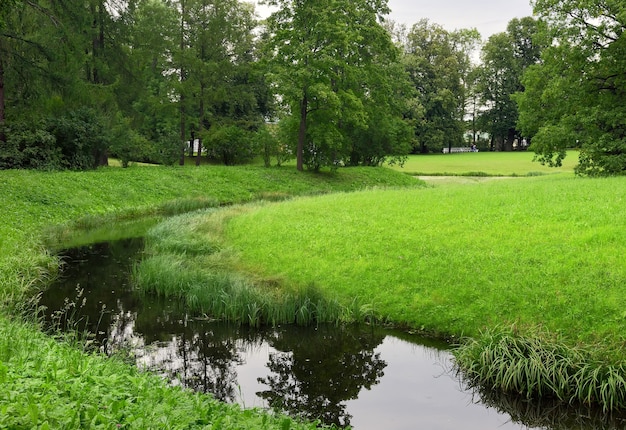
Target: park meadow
530,261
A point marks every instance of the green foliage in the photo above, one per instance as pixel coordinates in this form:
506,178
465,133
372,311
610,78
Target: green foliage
77,140
266,140
82,138
505,57
230,144
30,148
575,96
433,61
337,78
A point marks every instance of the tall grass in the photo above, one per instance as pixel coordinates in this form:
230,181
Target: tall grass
539,367
187,261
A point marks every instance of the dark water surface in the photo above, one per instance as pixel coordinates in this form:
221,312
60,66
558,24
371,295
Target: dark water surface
365,377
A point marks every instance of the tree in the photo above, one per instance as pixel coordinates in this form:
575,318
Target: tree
220,86
505,58
497,80
327,59
53,65
438,63
147,84
575,96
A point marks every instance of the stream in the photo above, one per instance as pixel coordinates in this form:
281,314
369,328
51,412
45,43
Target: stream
359,376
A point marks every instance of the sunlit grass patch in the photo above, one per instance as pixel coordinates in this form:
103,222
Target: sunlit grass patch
459,259
518,163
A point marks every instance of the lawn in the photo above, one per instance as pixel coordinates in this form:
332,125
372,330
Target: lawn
459,259
535,256
483,163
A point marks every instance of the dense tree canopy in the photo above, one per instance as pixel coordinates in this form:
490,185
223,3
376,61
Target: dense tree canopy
439,64
330,82
575,96
505,57
333,63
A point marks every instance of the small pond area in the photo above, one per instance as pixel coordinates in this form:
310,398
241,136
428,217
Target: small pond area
365,377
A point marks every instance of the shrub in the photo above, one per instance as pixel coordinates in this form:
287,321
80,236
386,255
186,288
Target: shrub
230,144
29,147
82,138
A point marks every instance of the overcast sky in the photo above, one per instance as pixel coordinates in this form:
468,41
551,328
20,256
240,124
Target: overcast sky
488,16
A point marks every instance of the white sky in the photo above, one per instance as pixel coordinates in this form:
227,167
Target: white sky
488,16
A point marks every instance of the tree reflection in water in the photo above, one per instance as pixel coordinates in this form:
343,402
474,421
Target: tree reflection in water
315,372
199,355
549,414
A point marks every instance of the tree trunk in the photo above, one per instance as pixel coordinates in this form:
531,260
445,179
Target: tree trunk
3,137
509,140
181,161
182,78
304,105
199,152
192,140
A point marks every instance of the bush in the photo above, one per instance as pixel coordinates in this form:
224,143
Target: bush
82,137
29,147
230,144
78,140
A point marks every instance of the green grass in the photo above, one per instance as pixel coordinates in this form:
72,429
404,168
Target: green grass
458,259
46,384
511,363
540,254
185,260
483,164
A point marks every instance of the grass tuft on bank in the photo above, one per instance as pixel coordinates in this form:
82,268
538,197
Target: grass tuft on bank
186,260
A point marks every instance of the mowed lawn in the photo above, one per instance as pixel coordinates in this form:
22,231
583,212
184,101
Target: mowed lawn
457,259
483,163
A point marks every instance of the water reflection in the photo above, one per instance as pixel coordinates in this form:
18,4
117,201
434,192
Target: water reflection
342,360
360,376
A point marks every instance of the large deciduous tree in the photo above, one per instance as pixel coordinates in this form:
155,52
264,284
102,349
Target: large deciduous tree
332,63
221,83
505,57
575,97
439,65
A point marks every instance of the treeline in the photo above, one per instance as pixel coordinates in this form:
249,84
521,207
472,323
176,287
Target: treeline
327,82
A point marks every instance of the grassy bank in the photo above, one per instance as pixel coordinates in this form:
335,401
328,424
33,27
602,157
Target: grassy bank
46,384
538,258
458,259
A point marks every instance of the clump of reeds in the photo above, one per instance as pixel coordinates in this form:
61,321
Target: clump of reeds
187,261
233,298
540,367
